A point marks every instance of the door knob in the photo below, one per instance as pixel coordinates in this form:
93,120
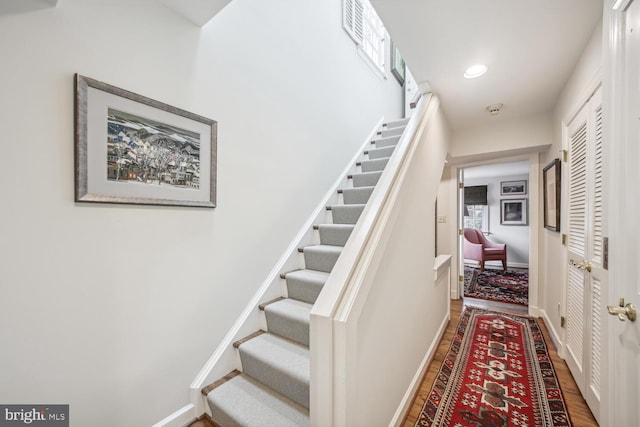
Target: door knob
623,311
582,265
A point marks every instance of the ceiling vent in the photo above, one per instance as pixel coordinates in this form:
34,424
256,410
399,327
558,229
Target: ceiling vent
494,109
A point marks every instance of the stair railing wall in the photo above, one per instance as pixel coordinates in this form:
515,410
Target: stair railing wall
374,325
225,358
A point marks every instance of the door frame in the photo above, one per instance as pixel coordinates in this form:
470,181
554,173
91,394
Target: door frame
621,250
534,221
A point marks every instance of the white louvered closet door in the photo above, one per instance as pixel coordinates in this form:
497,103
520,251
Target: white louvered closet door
586,277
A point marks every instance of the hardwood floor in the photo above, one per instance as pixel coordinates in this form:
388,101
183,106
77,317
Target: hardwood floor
578,411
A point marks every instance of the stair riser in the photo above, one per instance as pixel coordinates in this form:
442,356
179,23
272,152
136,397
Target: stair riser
290,387
380,153
374,165
320,261
346,214
356,196
293,329
303,290
334,237
397,123
366,180
387,142
396,131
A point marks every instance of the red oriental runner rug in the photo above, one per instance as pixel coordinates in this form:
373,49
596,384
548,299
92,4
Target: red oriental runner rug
497,373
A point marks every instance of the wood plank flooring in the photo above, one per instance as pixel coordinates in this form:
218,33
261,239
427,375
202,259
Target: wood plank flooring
578,411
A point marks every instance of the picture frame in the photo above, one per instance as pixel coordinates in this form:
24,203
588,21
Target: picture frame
398,66
513,212
513,188
551,181
135,150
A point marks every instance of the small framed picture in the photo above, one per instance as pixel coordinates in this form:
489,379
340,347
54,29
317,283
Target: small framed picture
551,182
398,67
513,188
513,211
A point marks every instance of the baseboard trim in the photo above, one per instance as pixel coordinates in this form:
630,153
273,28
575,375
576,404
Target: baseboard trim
180,418
557,342
407,400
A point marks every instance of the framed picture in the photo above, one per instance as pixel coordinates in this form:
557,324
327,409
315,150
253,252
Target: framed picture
133,149
398,67
551,183
513,211
513,188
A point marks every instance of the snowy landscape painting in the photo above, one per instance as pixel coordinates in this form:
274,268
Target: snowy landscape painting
145,151
132,149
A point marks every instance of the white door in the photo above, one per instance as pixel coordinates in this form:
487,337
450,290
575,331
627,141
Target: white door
586,277
623,379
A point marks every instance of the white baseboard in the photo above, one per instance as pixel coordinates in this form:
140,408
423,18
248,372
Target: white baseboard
180,418
407,400
557,341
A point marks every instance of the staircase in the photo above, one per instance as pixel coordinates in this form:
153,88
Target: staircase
273,387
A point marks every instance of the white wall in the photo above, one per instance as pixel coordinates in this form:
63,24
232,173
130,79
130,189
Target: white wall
552,253
515,236
114,308
501,138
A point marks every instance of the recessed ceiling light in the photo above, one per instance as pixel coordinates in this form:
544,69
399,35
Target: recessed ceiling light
475,71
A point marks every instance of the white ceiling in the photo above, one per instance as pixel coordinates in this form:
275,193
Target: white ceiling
530,47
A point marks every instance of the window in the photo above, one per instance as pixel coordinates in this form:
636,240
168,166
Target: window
476,216
364,26
476,209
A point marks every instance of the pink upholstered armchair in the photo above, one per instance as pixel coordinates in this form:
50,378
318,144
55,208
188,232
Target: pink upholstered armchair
479,248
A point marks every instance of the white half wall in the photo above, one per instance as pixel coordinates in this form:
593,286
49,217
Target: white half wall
114,309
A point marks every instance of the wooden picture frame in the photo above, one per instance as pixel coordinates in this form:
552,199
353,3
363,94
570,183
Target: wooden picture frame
551,180
513,212
513,188
135,150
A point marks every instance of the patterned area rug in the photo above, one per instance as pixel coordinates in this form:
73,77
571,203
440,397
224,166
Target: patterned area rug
497,373
496,285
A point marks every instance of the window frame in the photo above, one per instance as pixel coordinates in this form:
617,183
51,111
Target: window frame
364,26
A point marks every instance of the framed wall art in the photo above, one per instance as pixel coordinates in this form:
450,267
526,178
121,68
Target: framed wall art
398,67
551,179
135,150
513,211
513,188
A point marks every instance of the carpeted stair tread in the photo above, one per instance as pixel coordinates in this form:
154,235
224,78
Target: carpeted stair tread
305,285
321,257
386,142
357,195
366,179
278,363
335,234
289,318
346,214
374,165
380,153
242,401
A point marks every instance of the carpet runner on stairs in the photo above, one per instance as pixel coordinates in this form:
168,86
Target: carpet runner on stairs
273,388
